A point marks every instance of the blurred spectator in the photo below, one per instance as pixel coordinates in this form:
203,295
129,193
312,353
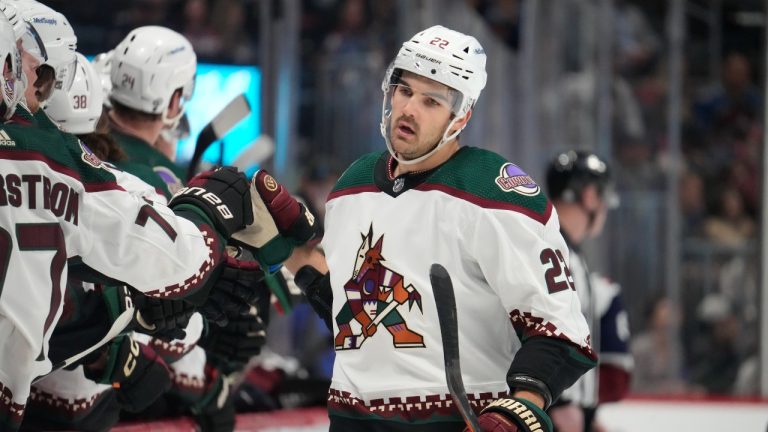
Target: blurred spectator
229,21
693,204
731,226
503,17
658,360
715,360
198,30
636,44
734,103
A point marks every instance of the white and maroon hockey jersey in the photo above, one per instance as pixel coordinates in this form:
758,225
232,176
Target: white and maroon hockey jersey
484,220
58,201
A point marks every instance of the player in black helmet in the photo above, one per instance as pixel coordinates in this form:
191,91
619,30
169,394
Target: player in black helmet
581,189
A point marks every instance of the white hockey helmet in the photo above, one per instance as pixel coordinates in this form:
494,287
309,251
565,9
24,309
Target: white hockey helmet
57,36
24,32
77,111
102,64
148,66
11,79
443,55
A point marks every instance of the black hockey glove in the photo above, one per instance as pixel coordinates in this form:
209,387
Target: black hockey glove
317,288
223,195
161,318
513,415
239,285
138,375
215,412
230,347
165,318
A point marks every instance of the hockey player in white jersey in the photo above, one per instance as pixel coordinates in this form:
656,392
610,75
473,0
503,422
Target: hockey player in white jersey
428,200
580,186
58,201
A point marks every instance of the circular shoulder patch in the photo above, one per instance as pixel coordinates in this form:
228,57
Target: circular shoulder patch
513,179
170,179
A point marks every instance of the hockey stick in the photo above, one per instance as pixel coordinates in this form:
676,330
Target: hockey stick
256,153
442,288
118,326
236,110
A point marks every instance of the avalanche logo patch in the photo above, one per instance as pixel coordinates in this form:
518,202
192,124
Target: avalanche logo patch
512,179
374,294
88,156
174,183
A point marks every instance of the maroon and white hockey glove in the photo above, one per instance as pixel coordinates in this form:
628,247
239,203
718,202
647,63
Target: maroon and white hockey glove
223,195
280,221
513,415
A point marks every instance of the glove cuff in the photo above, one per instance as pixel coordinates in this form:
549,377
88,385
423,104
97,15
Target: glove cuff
526,415
111,361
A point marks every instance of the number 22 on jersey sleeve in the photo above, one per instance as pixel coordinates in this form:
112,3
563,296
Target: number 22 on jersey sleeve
558,276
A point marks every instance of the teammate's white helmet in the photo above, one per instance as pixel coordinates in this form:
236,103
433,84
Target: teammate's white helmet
77,111
148,66
57,36
102,63
12,13
11,83
24,32
443,55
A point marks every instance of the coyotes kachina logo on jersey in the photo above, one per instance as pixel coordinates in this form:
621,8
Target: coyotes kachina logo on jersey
373,295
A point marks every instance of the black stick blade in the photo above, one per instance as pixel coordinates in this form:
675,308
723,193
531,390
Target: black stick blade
442,288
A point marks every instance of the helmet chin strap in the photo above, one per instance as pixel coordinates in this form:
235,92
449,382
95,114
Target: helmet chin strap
445,139
171,123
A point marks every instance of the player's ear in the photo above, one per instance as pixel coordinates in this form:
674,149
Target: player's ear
174,105
461,122
590,197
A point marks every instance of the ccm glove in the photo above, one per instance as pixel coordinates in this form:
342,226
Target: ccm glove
238,286
223,195
281,222
138,375
513,415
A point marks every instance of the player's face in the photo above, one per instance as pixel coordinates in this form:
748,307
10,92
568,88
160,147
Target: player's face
421,110
29,64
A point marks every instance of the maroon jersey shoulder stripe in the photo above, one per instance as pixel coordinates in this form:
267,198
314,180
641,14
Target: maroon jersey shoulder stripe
59,168
542,218
352,191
